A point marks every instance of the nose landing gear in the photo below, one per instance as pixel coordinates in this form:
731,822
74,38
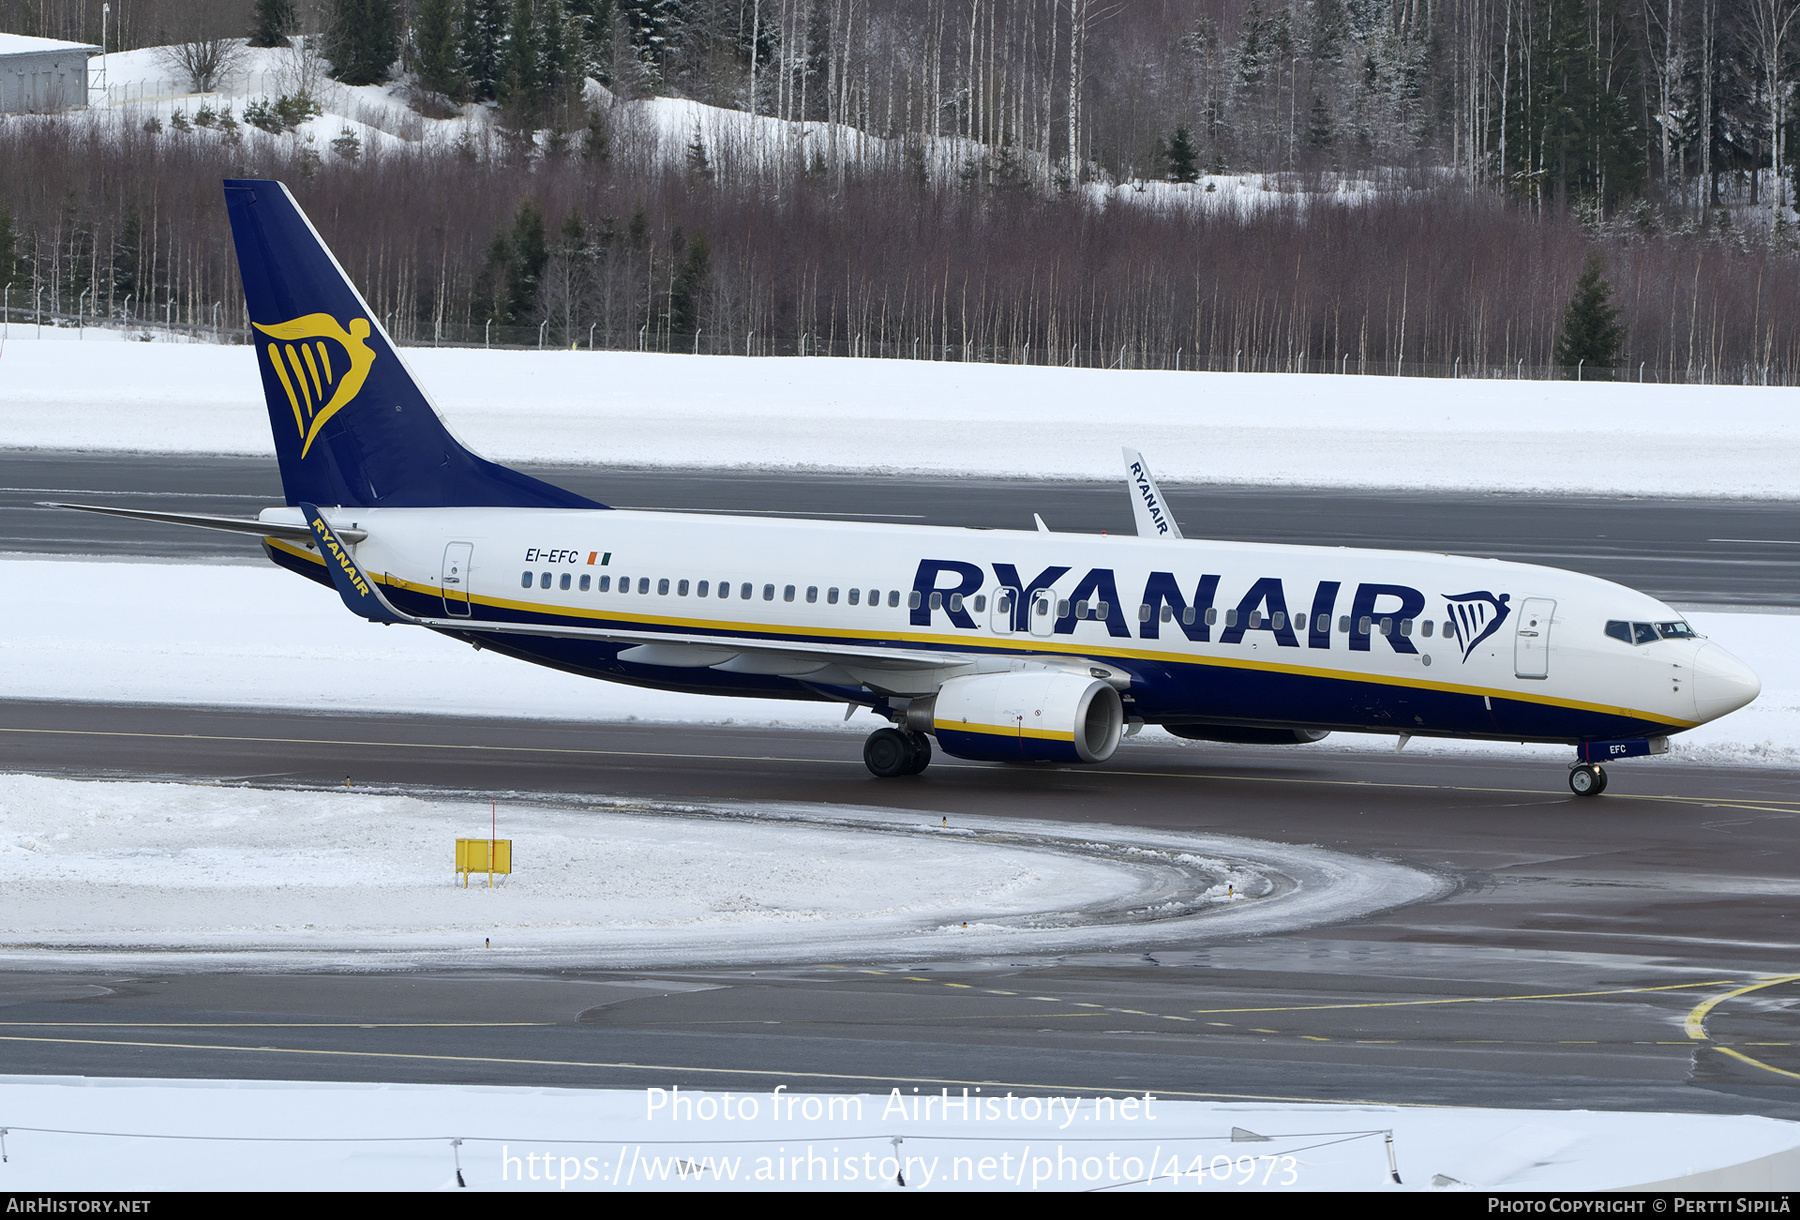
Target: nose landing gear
890,752
1587,779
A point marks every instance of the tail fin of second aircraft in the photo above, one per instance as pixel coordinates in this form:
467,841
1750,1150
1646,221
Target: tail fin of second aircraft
351,425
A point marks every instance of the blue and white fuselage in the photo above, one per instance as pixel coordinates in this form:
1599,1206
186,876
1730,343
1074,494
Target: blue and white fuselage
1191,633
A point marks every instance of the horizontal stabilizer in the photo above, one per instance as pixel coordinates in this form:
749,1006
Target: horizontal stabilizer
231,525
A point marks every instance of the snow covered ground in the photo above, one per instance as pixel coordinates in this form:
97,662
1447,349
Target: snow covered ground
252,636
189,876
120,1135
633,409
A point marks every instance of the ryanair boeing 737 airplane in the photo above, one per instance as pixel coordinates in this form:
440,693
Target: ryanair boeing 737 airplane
1003,646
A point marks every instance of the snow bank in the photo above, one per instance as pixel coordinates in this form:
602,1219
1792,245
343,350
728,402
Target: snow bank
190,876
79,1134
634,409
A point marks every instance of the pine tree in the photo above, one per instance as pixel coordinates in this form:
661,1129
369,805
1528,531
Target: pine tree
435,57
592,20
520,83
685,294
1592,336
530,251
1183,157
483,37
362,40
272,22
9,244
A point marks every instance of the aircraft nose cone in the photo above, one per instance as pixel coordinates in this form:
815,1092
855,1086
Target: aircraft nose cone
1722,683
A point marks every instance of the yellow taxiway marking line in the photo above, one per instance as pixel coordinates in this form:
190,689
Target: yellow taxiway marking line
1763,806
1474,999
1726,1050
1695,1025
666,1068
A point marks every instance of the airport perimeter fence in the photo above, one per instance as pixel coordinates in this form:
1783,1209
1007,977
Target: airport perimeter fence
208,325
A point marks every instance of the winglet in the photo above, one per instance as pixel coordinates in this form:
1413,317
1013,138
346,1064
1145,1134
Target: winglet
357,590
1147,503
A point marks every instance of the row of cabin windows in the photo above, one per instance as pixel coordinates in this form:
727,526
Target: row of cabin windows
706,588
1082,609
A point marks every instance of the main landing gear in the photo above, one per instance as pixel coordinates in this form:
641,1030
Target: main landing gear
1587,779
890,752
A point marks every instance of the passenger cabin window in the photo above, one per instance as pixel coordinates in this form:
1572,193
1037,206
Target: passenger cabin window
980,602
812,593
681,590
856,597
912,600
744,590
544,581
1187,615
644,585
787,594
701,588
525,581
586,581
606,584
565,582
831,597
768,593
662,587
893,597
1425,628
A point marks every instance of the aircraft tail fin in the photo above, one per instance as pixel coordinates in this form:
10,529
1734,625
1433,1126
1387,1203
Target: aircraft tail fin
352,426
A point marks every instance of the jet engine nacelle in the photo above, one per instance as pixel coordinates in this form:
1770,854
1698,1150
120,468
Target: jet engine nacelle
1024,717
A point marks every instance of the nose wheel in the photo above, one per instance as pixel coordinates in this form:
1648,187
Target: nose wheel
890,752
1587,779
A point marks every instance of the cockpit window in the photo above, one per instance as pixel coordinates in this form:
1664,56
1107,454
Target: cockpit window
1649,633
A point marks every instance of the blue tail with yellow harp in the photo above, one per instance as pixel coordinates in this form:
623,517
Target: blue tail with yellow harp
352,427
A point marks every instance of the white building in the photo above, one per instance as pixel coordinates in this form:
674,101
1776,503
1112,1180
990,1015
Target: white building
40,75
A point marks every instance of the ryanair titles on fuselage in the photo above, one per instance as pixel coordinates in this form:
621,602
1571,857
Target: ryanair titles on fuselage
1095,597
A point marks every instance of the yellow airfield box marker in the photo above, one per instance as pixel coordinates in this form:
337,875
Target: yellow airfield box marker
488,856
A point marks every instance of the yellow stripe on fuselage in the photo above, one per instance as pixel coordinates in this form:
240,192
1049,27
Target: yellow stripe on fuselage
1008,645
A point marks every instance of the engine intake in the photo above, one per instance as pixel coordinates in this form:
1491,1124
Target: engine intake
1024,717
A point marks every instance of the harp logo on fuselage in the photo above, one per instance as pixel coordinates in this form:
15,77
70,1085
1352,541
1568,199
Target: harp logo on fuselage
321,364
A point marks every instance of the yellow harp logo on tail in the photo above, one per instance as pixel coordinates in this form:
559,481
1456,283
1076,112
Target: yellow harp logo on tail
318,386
